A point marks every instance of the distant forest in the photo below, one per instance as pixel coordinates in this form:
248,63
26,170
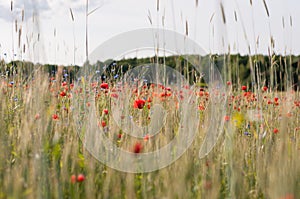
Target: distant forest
272,71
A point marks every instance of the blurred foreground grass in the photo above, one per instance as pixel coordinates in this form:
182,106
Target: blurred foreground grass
40,149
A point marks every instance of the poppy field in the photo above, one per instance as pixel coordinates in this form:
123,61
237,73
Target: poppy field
43,156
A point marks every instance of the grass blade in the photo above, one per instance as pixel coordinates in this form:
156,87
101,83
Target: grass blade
72,16
223,13
266,7
186,28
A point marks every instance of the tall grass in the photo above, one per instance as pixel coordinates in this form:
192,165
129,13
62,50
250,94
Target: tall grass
39,153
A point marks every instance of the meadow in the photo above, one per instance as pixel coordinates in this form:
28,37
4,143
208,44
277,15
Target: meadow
42,156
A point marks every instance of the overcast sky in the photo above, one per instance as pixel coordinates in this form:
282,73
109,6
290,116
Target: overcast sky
49,34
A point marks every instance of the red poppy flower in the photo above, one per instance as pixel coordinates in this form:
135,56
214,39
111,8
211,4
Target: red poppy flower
80,178
73,179
201,107
114,95
162,94
275,131
146,138
105,111
265,88
137,147
139,103
55,117
244,88
227,118
62,94
104,85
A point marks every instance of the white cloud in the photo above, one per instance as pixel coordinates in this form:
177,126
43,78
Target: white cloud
29,7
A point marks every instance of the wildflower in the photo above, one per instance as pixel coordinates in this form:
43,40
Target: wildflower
73,178
103,124
247,133
146,138
201,93
137,147
80,178
139,103
265,88
37,116
104,85
105,111
55,117
228,83
135,90
289,114
227,118
244,88
247,94
62,94
119,135
114,95
201,107
66,109
162,94
275,131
